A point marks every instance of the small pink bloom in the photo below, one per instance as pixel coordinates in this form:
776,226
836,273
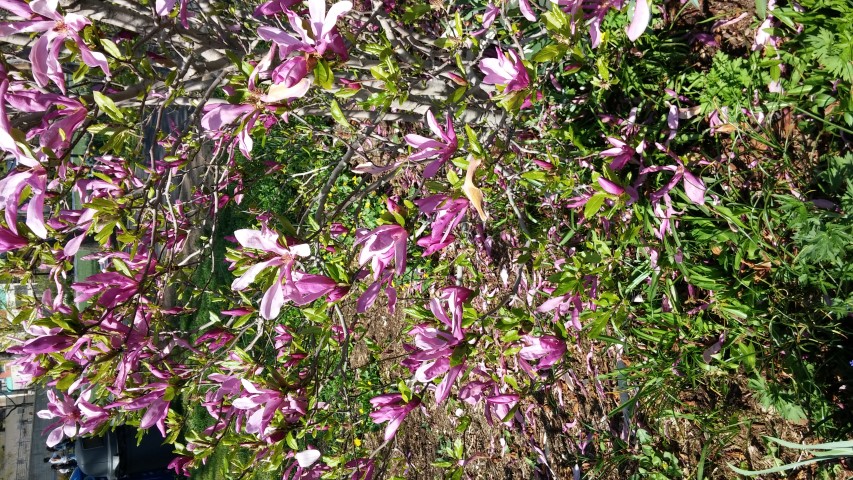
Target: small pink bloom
547,349
392,409
489,17
298,287
508,72
382,245
428,148
448,213
453,297
42,16
320,36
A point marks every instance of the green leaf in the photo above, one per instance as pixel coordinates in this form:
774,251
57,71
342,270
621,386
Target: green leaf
761,8
338,115
111,48
107,106
121,267
414,12
291,442
474,143
346,92
594,204
323,75
405,391
551,52
458,23
556,19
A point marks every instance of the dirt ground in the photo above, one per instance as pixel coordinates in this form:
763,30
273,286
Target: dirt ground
570,423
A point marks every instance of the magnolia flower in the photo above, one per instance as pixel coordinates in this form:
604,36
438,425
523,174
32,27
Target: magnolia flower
12,188
508,72
364,468
164,8
42,16
10,241
65,410
220,114
693,186
449,212
7,142
615,189
621,153
430,358
381,245
274,7
763,35
181,465
454,297
261,404
500,406
392,409
639,19
289,81
526,10
547,349
489,17
300,288
320,36
430,148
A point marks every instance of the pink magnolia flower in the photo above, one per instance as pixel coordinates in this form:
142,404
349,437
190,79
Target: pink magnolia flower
430,358
693,185
763,36
113,287
10,241
382,245
454,297
67,414
220,114
62,117
7,142
364,468
448,213
621,153
430,148
290,81
300,288
11,190
500,406
547,349
261,404
48,341
476,391
181,465
165,7
305,467
562,305
614,189
526,10
664,211
489,17
42,16
639,19
320,36
274,7
508,72
392,409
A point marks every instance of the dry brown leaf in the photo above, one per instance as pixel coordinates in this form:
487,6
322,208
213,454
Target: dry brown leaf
474,194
